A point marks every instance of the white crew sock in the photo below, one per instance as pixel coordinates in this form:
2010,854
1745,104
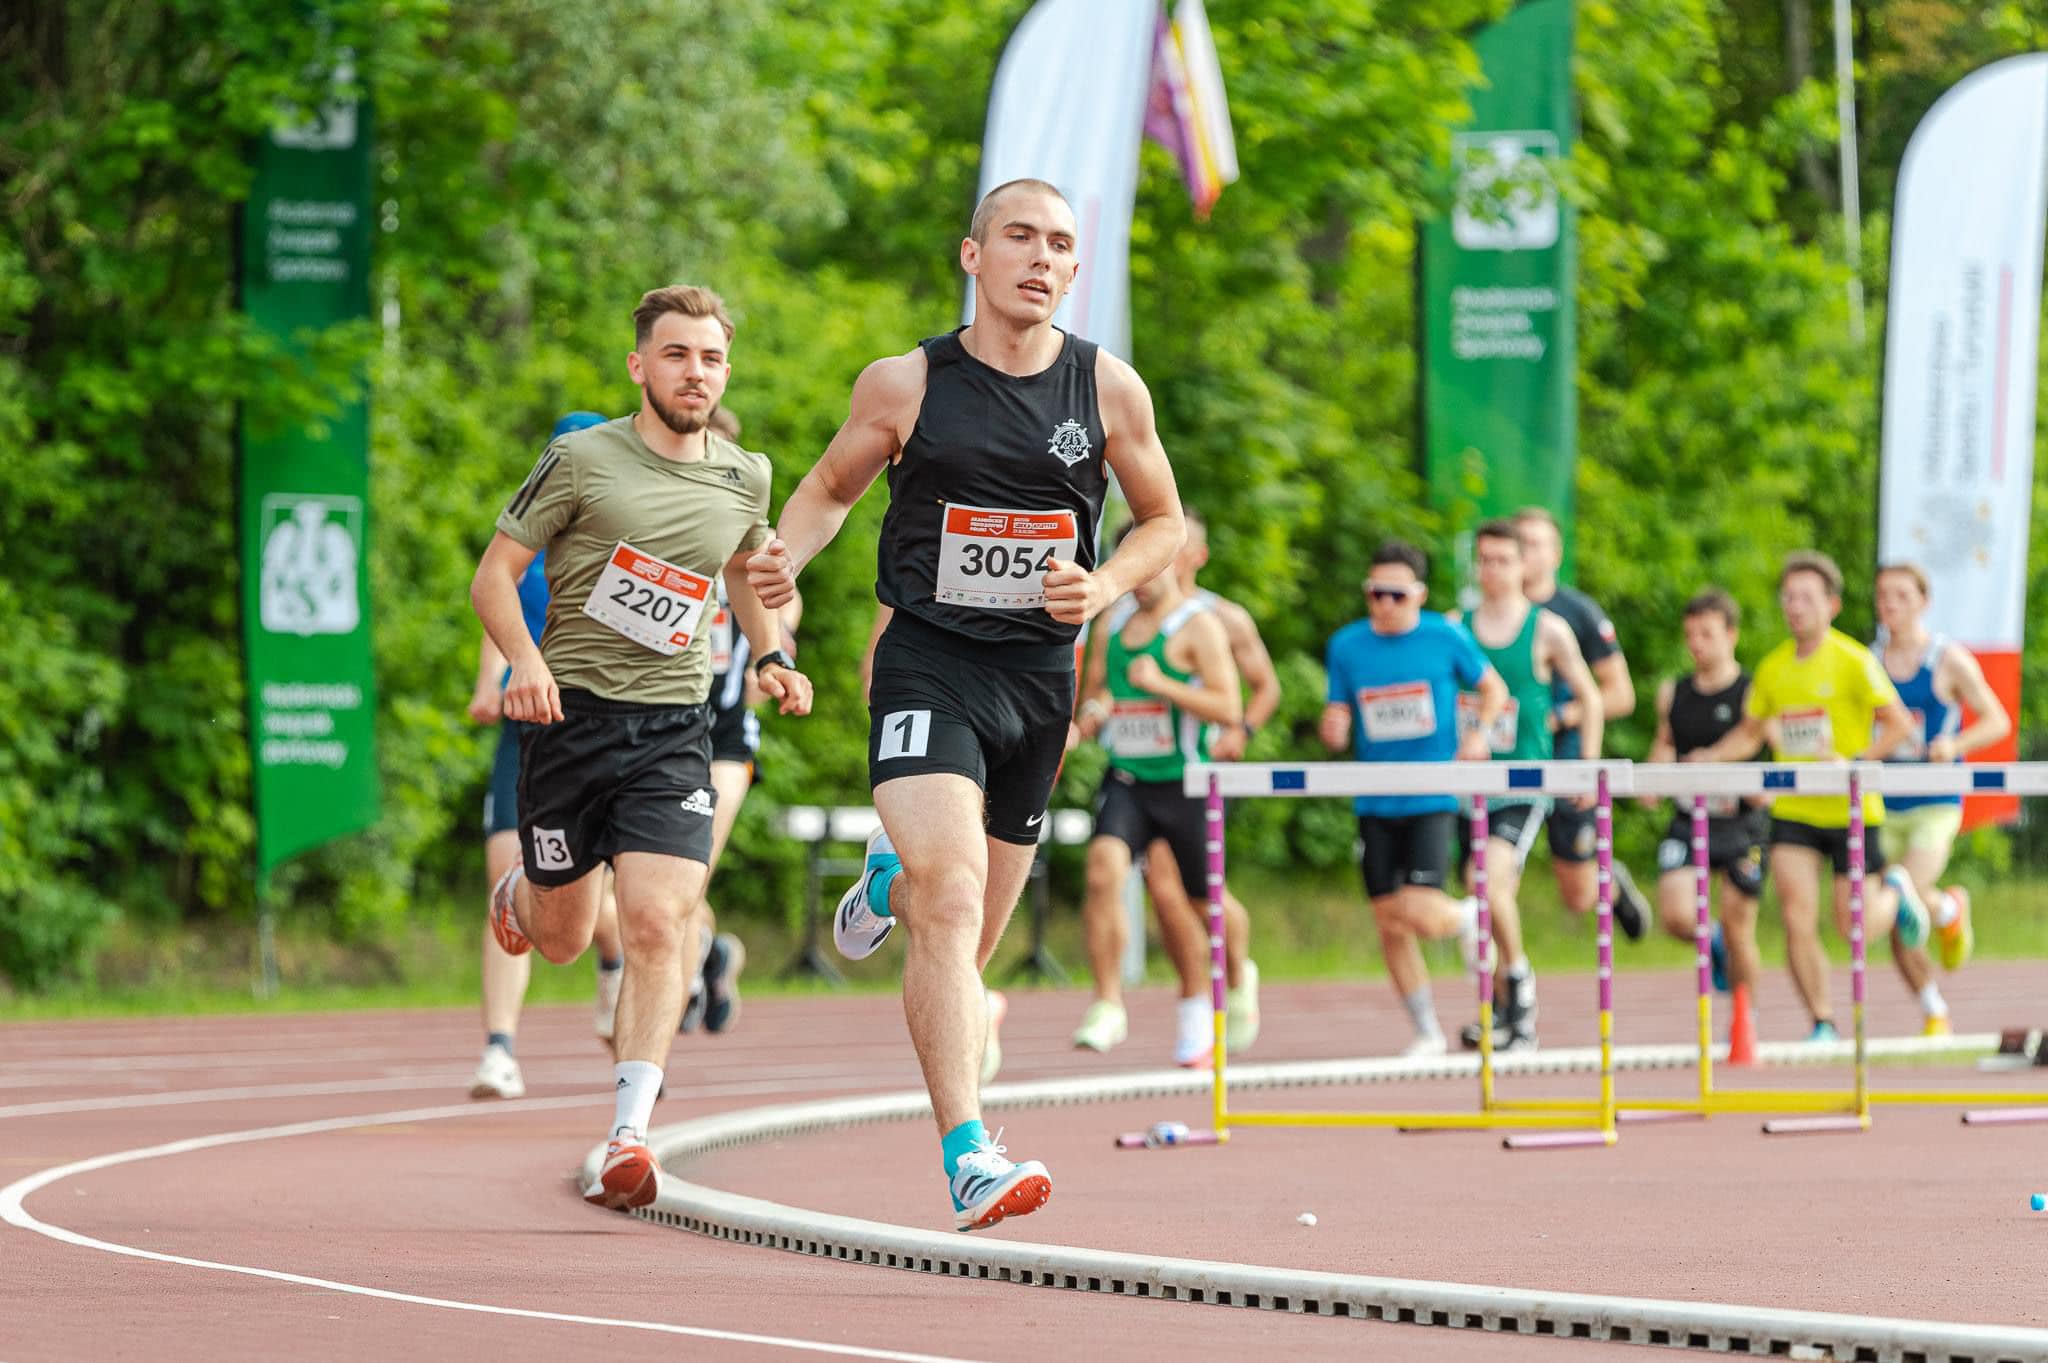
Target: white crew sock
1932,1004
1421,1006
1195,1025
638,1084
1943,907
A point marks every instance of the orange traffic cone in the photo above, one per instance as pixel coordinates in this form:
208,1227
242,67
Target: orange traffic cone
1742,1030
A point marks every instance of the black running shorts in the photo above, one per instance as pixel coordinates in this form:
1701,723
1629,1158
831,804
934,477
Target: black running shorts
1518,825
1136,812
614,776
1412,849
939,703
1735,848
1572,832
736,736
1832,843
501,797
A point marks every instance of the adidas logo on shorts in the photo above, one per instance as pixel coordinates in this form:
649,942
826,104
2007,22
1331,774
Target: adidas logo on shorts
699,802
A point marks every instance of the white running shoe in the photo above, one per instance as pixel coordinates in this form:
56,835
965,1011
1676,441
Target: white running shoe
497,1076
1426,1047
1104,1025
988,1187
857,929
605,1019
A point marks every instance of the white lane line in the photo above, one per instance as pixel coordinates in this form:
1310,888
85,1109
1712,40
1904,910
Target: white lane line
14,1213
449,1080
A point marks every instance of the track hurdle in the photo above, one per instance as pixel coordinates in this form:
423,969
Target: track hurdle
1563,1123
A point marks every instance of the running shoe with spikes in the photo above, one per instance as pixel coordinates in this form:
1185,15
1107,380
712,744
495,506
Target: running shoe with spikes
987,1186
505,914
857,930
628,1178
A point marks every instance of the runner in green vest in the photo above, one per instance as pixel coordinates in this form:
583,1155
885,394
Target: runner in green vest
1527,646
1169,676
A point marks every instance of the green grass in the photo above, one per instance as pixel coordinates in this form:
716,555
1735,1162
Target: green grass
1306,926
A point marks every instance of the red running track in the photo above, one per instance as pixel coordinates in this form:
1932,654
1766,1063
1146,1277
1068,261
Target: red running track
470,1205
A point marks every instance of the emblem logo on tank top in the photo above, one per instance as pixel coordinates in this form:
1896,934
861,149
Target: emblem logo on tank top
1070,442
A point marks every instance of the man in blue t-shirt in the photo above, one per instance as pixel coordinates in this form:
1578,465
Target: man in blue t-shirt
1394,683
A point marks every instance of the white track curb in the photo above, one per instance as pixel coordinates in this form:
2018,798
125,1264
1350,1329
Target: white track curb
1692,1325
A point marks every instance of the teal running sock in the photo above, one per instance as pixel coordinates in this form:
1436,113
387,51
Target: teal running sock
962,1140
878,890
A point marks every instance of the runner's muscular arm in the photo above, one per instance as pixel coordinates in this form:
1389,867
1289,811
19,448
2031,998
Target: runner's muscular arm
787,687
1739,744
1967,684
487,701
1213,697
1335,726
1254,663
1073,595
531,694
1895,726
1617,687
1555,639
1493,703
1091,698
871,436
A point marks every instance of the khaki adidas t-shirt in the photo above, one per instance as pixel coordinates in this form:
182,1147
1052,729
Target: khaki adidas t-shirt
596,487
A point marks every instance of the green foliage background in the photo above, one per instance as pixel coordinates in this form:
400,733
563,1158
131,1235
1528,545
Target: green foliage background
542,165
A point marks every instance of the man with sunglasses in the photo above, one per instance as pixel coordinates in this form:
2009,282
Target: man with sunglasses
1394,681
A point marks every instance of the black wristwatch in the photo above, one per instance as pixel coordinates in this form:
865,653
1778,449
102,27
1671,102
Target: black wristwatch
778,657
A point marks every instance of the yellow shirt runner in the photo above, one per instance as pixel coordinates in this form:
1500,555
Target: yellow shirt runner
1818,708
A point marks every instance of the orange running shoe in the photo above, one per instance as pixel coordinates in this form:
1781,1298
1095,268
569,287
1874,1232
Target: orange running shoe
1959,938
505,917
628,1178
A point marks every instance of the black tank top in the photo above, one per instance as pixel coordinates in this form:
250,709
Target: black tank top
996,441
1698,720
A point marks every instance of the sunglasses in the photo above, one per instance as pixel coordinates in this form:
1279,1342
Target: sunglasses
1378,593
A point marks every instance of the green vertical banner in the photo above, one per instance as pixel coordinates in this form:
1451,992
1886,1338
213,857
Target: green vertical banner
305,494
1498,277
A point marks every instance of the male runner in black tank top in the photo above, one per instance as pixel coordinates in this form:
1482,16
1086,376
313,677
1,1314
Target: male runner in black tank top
998,441
1693,713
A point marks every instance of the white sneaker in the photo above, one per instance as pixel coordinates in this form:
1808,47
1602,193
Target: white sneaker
857,929
605,1018
1426,1047
1104,1025
497,1076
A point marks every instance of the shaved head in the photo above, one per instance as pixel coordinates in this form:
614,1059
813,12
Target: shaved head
985,211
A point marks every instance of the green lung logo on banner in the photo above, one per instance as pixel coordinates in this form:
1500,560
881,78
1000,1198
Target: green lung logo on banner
1499,409
305,498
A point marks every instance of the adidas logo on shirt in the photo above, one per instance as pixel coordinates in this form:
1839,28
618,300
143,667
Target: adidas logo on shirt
699,802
